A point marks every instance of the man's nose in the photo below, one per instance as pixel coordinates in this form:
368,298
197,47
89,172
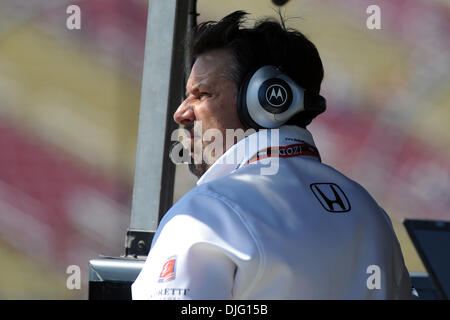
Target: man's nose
184,114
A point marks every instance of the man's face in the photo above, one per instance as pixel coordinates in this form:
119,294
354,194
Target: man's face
211,99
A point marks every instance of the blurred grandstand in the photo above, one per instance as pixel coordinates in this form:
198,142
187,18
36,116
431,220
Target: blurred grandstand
69,105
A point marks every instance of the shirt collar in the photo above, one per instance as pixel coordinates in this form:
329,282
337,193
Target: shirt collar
241,152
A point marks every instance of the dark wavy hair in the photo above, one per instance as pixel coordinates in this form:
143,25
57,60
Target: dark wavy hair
269,42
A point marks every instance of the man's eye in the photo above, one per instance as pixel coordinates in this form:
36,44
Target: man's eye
202,95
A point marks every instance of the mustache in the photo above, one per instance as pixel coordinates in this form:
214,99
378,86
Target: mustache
189,127
177,152
181,152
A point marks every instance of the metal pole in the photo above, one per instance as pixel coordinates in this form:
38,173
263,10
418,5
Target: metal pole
162,90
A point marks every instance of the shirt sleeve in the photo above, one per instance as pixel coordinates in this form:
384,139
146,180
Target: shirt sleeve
200,246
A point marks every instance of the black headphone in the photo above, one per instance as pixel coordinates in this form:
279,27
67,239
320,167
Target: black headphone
268,98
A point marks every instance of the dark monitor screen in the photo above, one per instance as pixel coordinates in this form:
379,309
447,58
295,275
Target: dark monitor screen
432,241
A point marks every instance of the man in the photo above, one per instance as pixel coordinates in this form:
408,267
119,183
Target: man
299,231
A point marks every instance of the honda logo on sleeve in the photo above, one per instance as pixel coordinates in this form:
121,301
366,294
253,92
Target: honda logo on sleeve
331,197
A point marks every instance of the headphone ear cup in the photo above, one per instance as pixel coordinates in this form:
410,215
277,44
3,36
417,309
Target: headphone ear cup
265,98
242,108
268,98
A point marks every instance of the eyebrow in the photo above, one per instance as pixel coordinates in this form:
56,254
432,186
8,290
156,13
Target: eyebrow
197,85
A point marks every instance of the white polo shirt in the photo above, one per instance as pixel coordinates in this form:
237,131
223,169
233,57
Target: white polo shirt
274,226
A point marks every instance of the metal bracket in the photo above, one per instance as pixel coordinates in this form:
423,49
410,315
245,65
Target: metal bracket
138,243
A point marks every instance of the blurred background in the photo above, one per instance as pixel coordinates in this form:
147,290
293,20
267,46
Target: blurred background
69,109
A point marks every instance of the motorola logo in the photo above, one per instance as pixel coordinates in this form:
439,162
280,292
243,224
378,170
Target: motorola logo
276,95
331,197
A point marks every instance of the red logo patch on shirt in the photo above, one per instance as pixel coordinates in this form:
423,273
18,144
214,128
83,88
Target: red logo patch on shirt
168,270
